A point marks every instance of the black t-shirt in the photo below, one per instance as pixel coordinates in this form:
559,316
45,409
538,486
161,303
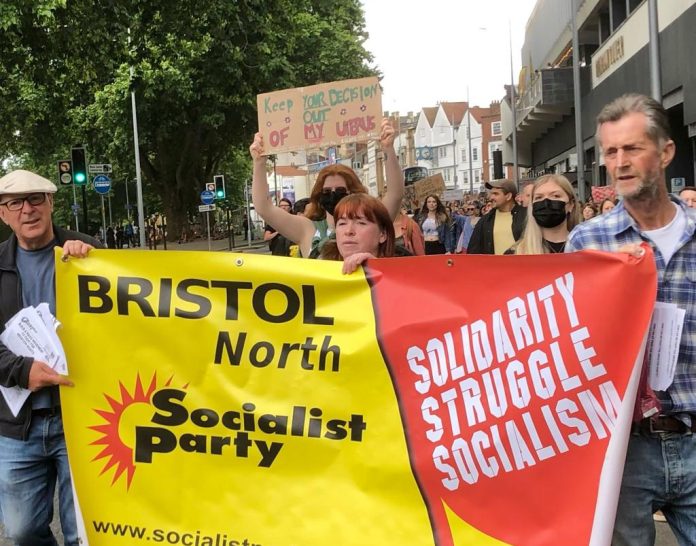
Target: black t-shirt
279,245
555,248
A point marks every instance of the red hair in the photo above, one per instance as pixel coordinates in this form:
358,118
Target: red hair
314,210
359,205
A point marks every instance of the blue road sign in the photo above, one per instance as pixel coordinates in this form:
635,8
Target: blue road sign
102,184
207,197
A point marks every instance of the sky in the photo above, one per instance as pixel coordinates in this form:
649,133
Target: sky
429,51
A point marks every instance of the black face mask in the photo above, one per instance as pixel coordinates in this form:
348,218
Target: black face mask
329,199
549,213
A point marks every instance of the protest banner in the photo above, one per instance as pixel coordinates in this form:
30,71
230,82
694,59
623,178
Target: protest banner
227,398
320,115
600,193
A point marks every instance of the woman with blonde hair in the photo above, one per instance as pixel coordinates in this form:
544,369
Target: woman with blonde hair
553,215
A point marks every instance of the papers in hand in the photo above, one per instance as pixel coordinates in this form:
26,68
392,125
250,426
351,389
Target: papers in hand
663,344
32,332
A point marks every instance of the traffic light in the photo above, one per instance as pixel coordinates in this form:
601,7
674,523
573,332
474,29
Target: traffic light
65,172
219,186
79,166
498,165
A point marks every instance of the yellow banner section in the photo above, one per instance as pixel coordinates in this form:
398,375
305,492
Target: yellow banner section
228,400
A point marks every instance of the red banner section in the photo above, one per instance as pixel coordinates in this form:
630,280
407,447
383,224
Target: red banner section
511,373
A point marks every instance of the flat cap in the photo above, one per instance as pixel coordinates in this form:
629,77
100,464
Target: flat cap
20,181
508,186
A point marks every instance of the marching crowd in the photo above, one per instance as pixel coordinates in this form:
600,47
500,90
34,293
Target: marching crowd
342,222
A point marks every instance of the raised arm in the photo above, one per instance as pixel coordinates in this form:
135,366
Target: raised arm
299,229
395,178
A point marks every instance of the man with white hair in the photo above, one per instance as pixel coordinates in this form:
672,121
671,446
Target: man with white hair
660,469
33,456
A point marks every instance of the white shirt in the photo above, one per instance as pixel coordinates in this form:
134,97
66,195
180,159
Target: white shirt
666,238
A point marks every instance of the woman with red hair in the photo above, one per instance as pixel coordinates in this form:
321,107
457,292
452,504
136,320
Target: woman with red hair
364,230
333,183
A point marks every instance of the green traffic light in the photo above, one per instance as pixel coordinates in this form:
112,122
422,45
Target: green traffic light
80,177
220,194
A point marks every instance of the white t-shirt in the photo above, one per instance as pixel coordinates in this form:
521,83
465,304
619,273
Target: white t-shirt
430,228
666,238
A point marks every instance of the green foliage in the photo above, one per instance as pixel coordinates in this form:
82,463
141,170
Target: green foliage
197,66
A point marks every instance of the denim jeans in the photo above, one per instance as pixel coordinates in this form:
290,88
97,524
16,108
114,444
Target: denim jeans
660,474
29,472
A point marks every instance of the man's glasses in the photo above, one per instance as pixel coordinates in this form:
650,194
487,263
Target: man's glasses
338,191
34,199
470,210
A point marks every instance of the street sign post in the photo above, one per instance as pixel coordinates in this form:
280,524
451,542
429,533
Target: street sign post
65,172
207,197
101,184
207,208
100,168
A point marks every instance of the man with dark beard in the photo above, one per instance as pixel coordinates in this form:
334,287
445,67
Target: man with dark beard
660,470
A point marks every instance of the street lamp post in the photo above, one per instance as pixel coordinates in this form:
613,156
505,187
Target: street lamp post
138,177
579,147
513,100
654,52
128,208
468,138
454,150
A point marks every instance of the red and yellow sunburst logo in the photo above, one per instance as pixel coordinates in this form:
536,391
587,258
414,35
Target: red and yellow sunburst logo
116,439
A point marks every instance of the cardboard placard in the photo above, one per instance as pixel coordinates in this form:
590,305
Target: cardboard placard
453,195
320,115
433,185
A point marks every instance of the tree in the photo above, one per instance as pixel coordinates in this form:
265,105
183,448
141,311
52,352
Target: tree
195,66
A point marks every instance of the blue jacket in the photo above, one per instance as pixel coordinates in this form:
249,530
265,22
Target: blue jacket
445,233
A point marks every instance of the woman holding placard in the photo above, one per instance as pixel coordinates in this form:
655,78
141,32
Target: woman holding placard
333,183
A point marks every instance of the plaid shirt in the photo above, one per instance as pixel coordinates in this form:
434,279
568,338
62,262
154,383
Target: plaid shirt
676,283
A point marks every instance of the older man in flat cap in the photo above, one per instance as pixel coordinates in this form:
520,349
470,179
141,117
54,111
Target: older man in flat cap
33,457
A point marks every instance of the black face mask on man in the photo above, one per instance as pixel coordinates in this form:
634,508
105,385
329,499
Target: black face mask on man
330,198
549,213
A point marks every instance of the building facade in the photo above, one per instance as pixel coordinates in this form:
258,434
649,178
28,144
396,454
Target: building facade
614,59
457,141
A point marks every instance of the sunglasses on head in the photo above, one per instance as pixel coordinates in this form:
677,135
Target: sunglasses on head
337,191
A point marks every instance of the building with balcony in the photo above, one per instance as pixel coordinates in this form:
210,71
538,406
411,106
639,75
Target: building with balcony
613,52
